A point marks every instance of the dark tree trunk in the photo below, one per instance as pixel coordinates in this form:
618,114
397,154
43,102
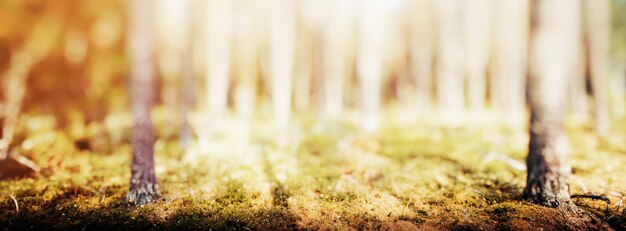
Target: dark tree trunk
548,171
143,184
551,42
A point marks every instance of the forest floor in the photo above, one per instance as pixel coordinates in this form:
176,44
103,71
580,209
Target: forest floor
331,176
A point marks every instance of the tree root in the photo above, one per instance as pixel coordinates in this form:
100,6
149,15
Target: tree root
16,165
593,197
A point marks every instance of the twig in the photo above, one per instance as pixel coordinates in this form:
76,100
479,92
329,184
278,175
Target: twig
25,162
17,207
505,159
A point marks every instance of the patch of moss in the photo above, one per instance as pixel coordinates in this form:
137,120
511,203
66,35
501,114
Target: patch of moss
404,177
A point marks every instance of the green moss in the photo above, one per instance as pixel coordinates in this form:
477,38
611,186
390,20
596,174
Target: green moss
405,177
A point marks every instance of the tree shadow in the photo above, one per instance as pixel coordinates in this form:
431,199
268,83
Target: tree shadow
279,193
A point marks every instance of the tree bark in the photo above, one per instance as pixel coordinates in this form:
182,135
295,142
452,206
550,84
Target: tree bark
551,62
143,183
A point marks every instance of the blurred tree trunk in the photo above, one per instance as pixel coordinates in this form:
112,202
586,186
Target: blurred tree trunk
247,39
15,89
509,79
303,67
169,35
552,44
308,79
618,89
370,61
576,99
450,61
143,183
187,89
598,42
40,41
338,50
282,40
478,32
218,37
577,86
11,163
422,33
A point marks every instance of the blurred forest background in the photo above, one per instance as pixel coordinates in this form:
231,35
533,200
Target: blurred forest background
466,61
322,89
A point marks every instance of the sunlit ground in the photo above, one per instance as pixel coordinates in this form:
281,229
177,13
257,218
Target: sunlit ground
412,174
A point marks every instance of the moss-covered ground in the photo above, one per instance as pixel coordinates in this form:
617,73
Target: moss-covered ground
332,176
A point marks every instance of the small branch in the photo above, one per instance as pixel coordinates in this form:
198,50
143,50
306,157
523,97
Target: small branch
17,207
26,162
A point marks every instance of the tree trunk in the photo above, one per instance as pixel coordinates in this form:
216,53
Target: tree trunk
509,80
618,90
598,20
450,63
422,32
338,38
478,36
187,89
370,61
143,184
218,37
551,62
247,38
14,95
282,52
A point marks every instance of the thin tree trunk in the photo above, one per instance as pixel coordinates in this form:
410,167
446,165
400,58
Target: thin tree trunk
338,52
422,34
577,92
303,67
597,19
552,42
450,63
370,61
509,80
14,95
247,38
187,79
143,183
282,53
478,37
218,36
169,39
618,90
